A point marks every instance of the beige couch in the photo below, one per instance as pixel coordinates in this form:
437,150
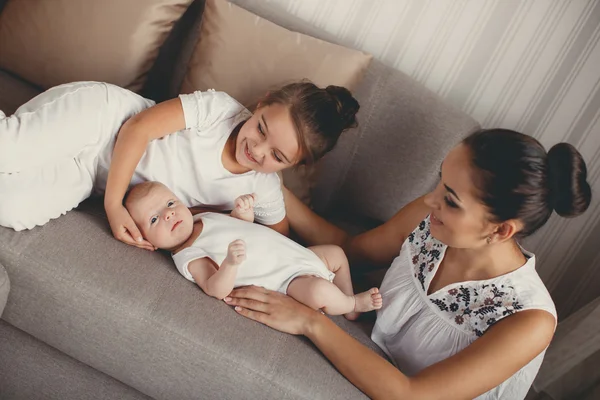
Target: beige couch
87,317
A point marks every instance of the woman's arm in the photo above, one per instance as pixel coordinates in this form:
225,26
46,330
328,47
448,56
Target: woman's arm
132,140
377,247
504,349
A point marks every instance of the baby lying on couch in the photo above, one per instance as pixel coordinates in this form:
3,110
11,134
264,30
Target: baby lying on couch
220,252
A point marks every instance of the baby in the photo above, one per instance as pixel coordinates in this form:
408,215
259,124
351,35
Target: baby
220,252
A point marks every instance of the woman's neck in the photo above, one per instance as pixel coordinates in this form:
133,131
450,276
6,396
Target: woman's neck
488,261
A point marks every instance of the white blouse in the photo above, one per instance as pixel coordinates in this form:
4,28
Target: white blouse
417,330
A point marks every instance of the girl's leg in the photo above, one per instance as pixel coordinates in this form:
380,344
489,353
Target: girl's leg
33,197
62,122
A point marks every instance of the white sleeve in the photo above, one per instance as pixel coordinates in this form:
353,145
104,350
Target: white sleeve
185,257
203,109
270,207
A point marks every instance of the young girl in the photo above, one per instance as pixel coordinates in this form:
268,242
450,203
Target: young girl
58,148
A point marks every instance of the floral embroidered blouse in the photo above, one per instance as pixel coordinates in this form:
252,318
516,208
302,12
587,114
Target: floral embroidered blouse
417,330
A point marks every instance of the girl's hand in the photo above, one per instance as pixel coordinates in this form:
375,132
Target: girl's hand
273,309
124,229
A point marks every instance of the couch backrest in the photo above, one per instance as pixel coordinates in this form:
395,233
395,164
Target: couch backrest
394,155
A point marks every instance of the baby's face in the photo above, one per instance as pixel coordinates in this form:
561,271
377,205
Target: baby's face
163,220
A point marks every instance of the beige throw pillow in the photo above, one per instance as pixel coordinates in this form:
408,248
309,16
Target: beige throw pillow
49,42
245,56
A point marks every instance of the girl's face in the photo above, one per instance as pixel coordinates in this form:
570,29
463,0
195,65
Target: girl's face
458,218
268,142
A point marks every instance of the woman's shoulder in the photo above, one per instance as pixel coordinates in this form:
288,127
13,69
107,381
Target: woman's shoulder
530,288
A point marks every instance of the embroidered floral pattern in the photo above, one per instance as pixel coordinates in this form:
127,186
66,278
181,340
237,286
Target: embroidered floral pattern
426,251
472,308
478,307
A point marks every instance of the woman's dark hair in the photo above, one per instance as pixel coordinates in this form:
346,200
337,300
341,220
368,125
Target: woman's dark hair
319,115
517,179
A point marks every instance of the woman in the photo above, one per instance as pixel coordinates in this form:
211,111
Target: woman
464,312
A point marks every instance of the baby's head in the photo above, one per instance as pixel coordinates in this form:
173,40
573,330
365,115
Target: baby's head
161,217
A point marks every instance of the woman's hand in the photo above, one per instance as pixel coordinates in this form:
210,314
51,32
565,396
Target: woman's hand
124,229
273,309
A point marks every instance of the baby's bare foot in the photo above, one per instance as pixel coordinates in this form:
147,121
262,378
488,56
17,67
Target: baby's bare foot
365,301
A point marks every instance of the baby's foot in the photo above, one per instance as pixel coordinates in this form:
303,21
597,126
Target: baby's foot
365,301
236,252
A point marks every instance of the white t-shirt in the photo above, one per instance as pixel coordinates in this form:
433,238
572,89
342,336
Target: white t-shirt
189,161
272,260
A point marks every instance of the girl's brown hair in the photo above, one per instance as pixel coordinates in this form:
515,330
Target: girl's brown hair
319,115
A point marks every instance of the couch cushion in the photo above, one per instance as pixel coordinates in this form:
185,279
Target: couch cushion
167,73
53,42
128,313
394,155
29,368
245,55
14,92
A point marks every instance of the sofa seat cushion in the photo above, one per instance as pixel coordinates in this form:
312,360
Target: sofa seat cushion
128,313
14,92
29,368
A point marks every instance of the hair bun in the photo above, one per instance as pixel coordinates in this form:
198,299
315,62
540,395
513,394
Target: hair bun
567,176
347,105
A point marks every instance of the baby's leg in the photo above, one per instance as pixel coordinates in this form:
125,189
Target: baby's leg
321,294
336,261
63,121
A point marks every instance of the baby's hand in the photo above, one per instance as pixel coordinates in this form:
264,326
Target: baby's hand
236,252
244,207
245,203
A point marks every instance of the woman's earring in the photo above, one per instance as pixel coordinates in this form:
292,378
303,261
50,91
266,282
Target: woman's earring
489,240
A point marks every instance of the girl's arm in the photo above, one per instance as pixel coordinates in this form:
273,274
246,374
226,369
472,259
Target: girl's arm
504,349
132,140
377,247
282,227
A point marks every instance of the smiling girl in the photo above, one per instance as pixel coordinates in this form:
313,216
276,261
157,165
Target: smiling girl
205,146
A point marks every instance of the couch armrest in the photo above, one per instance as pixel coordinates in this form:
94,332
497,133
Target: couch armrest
4,288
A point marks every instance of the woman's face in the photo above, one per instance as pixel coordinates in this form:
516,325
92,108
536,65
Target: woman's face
268,142
458,218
